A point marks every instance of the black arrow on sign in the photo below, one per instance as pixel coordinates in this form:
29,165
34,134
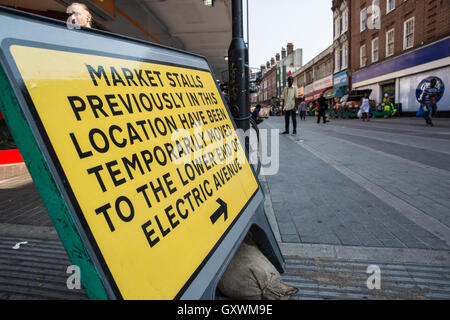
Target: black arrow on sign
223,210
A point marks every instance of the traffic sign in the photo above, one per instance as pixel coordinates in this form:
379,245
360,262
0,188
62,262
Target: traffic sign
141,148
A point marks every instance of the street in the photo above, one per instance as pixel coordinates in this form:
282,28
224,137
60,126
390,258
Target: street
348,195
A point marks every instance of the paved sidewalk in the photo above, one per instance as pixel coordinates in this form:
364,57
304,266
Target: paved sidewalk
332,189
20,203
37,270
350,194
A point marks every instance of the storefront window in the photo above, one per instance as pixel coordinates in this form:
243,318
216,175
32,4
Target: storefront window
390,90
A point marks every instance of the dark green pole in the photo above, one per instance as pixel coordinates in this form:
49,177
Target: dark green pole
238,70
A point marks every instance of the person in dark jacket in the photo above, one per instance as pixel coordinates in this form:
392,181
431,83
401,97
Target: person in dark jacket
323,106
255,114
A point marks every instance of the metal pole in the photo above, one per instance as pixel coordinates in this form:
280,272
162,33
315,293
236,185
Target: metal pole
238,70
248,32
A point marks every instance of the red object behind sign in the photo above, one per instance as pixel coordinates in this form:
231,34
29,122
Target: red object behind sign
10,157
316,94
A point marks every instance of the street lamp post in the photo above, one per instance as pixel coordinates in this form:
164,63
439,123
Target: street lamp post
238,70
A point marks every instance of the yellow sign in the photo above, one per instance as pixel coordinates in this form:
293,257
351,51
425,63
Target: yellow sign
151,160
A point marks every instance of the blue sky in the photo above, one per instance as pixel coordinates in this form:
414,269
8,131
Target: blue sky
274,23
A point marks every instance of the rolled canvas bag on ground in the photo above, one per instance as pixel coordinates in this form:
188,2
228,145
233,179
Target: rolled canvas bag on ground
251,276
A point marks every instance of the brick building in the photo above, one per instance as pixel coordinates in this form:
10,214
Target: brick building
341,45
268,87
276,71
395,45
316,76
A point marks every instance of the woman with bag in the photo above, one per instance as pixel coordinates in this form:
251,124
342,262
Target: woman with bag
365,107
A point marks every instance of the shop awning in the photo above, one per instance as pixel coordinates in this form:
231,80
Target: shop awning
330,93
316,94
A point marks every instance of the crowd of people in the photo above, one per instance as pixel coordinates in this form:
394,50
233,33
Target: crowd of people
290,107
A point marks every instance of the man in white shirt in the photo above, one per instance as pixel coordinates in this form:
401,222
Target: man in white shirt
290,93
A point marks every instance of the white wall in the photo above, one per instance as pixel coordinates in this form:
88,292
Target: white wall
408,86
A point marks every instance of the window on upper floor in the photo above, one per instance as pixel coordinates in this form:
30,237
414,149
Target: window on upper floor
375,50
344,56
408,34
337,27
309,77
390,43
390,5
362,56
344,21
337,59
375,19
363,19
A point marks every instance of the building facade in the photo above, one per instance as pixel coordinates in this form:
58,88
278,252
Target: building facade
276,72
341,45
291,60
396,45
316,76
268,87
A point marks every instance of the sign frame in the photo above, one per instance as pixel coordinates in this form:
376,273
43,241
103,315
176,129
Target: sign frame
52,186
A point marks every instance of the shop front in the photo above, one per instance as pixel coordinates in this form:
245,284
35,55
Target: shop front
318,88
301,92
402,76
411,89
340,86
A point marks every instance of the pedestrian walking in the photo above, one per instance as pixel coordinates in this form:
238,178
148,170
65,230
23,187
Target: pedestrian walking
288,97
302,109
365,107
225,96
429,98
255,114
323,106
